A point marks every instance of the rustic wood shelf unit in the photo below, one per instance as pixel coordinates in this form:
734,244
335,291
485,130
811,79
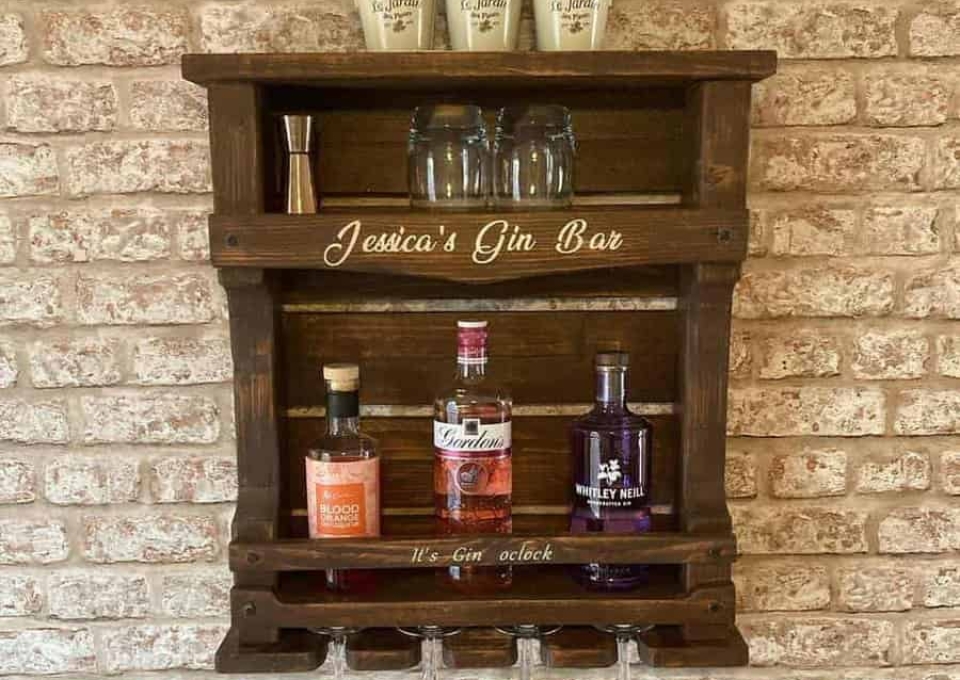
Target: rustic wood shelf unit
662,161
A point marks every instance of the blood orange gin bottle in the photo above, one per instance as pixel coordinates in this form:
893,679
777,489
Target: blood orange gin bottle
343,473
472,471
611,450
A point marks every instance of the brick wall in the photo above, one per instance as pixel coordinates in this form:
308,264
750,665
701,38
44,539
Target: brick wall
116,457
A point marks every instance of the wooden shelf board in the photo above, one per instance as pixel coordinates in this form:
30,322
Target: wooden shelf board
433,69
412,542
650,236
537,596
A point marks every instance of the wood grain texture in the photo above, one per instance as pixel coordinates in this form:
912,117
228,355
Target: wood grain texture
382,649
665,647
544,357
479,648
295,651
542,468
415,70
236,142
578,647
650,235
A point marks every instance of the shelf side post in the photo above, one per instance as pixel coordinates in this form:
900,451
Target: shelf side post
718,128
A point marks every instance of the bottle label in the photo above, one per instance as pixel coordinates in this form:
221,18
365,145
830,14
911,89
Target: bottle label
473,458
343,498
609,493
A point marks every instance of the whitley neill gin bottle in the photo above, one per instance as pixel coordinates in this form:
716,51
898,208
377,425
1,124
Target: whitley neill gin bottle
472,473
343,473
611,450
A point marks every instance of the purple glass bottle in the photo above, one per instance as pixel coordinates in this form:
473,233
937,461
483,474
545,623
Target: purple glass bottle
611,450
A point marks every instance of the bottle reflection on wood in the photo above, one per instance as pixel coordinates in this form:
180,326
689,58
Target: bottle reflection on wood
611,450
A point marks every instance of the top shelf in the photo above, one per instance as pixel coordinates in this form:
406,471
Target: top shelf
432,69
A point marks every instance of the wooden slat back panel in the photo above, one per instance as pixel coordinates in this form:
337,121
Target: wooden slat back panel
542,467
543,357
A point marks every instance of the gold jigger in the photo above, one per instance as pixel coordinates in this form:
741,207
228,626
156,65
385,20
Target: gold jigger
299,137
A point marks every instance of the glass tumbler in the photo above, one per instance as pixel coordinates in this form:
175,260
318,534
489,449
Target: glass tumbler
534,152
448,158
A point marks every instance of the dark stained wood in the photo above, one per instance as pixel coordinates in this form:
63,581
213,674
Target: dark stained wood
236,143
416,70
538,596
479,648
295,651
666,647
578,647
542,468
545,357
382,649
650,235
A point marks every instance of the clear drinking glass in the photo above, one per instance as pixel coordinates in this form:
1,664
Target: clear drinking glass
534,151
448,157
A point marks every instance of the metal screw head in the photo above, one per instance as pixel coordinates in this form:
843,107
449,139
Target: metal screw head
714,552
714,607
248,609
724,235
253,558
233,240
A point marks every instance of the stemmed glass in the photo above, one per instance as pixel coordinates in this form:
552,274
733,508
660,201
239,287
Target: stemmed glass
526,634
432,648
338,647
624,634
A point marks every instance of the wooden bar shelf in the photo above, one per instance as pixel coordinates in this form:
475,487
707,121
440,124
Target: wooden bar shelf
645,260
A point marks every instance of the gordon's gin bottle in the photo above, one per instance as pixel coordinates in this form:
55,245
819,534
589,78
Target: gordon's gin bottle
343,472
611,450
472,471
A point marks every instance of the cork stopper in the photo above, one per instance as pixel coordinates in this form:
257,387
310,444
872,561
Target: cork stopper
342,377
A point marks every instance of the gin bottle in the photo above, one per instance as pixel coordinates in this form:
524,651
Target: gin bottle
611,450
472,473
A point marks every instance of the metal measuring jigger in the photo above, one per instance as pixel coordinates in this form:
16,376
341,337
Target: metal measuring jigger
299,133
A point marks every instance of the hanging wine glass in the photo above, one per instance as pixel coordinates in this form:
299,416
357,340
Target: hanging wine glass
624,633
432,654
525,635
337,648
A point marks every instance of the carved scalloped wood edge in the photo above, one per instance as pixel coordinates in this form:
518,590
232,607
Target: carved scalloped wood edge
578,647
382,649
479,648
296,651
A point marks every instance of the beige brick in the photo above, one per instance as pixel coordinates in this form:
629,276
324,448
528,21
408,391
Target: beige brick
20,595
87,480
13,40
809,474
126,166
931,641
893,355
928,412
835,163
946,163
160,647
805,96
18,481
740,477
9,365
120,234
904,97
87,362
40,422
934,293
182,361
901,230
813,230
168,105
909,471
920,530
329,25
780,530
790,587
940,584
28,170
44,104
197,479
812,30
741,358
78,595
950,472
799,355
47,651
818,291
9,240
659,25
819,642
150,419
875,588
948,353
145,299
805,411
194,237
124,36
757,239
28,541
31,298
151,539
935,30
195,594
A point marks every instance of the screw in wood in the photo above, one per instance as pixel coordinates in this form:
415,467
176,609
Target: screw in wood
714,552
249,609
233,240
724,235
714,607
253,558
